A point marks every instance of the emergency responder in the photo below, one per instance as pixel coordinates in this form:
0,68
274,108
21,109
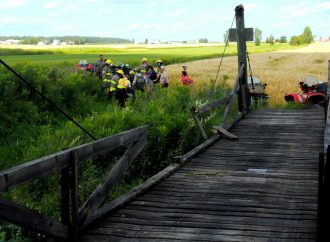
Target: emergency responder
122,88
131,76
99,67
144,65
159,64
163,77
106,76
140,82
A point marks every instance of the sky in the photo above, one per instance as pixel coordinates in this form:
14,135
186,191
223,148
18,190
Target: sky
166,20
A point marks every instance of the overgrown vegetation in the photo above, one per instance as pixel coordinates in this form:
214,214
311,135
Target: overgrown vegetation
305,38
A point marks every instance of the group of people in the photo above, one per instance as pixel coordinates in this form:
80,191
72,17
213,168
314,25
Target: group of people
120,82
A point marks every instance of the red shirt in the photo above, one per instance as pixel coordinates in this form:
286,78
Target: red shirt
186,80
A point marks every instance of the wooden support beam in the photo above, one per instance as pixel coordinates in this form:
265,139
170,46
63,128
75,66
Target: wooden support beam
225,133
131,195
28,218
327,124
198,122
211,105
74,185
36,169
65,196
89,208
233,91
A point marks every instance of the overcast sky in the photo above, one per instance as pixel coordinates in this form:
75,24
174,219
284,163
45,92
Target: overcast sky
160,19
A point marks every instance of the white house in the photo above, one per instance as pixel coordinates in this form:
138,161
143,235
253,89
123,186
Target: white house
56,42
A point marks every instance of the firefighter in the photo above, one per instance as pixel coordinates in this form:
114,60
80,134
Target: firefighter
139,82
131,76
106,76
122,88
144,65
98,68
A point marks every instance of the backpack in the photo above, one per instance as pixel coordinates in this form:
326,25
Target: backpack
140,82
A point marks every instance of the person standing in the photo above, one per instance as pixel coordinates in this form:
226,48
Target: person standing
98,68
106,76
163,77
122,88
140,82
185,79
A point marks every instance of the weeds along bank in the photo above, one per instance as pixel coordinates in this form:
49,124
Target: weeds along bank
30,128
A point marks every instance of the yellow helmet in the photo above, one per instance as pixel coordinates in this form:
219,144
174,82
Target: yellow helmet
159,61
144,60
120,72
108,61
132,72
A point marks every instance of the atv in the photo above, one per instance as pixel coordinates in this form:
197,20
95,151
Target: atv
314,92
84,66
257,90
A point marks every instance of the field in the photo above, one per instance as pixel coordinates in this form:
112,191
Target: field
130,54
30,128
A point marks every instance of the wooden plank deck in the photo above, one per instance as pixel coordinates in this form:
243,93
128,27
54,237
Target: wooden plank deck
262,187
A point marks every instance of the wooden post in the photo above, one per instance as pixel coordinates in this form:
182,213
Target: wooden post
320,199
199,125
65,196
243,95
74,185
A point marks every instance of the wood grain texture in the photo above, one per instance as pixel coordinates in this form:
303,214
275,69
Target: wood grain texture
262,187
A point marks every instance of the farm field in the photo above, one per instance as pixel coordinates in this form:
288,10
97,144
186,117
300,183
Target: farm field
130,54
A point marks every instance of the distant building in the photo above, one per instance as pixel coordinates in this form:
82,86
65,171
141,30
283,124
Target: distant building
56,42
40,43
64,43
10,42
155,42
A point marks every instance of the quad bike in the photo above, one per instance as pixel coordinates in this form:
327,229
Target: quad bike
257,91
314,92
84,66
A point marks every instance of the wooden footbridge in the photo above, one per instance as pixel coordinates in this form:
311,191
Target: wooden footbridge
262,177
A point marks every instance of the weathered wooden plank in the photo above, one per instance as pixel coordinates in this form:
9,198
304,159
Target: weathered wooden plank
97,197
31,219
38,168
135,192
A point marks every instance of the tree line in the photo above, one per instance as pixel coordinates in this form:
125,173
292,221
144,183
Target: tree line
75,39
305,38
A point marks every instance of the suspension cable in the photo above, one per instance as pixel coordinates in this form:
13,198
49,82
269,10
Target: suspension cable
47,99
224,51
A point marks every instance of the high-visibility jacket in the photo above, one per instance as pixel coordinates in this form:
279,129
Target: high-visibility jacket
123,83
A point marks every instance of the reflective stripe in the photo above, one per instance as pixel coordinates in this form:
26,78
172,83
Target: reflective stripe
106,80
123,83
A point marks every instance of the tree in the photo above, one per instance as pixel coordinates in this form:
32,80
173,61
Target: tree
283,39
308,35
146,41
203,40
257,36
271,39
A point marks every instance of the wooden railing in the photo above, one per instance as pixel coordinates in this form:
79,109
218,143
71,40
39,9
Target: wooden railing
228,100
73,218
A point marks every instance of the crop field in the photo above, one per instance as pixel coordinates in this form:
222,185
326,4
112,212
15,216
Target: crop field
130,54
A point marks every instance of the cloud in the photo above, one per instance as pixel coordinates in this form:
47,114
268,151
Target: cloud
50,5
14,3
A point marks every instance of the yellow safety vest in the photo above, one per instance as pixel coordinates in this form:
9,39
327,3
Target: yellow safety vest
123,83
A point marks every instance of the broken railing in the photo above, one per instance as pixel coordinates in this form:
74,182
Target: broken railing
228,101
73,218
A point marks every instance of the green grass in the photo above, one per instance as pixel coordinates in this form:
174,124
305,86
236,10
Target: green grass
131,55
